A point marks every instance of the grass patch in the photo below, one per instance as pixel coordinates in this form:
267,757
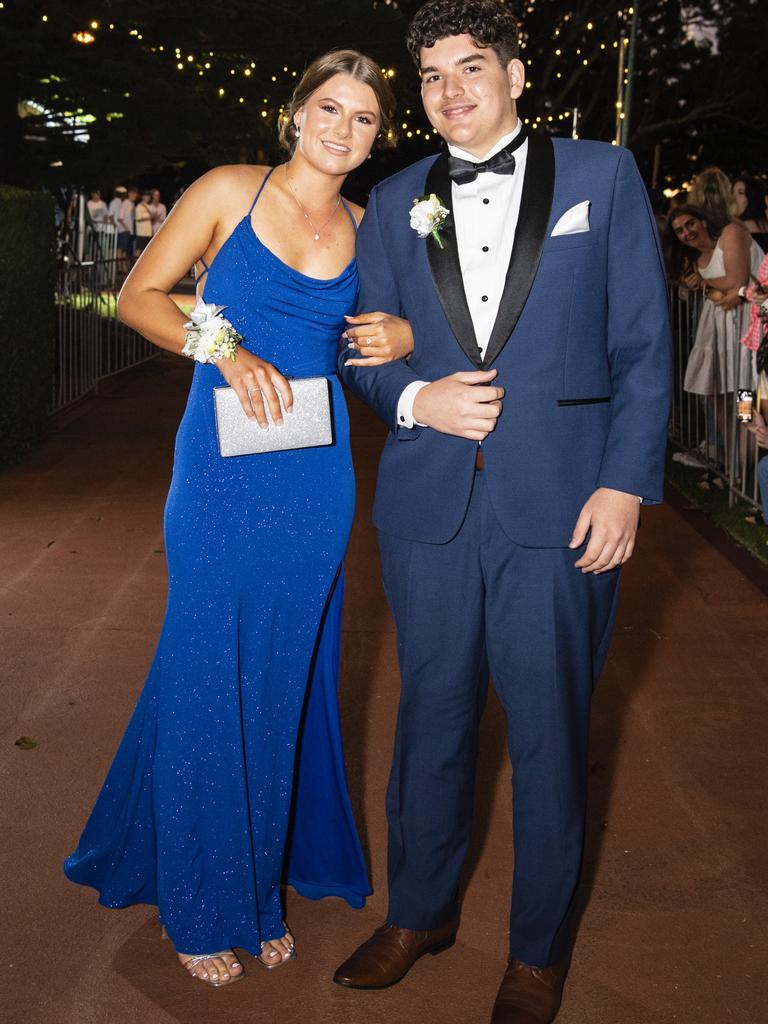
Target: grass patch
714,504
105,303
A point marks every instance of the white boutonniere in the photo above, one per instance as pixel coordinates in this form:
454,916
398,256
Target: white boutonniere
210,336
427,217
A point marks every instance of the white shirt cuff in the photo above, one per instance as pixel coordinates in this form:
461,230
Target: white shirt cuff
405,405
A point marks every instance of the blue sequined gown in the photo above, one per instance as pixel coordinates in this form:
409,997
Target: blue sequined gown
230,778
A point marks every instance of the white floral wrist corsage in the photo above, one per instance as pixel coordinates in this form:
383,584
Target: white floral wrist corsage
210,336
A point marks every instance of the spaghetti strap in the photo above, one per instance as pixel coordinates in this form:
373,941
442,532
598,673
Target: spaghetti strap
199,277
261,189
351,215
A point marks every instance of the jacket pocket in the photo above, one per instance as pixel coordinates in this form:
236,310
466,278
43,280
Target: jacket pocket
584,401
564,243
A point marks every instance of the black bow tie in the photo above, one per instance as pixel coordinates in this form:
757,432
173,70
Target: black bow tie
503,162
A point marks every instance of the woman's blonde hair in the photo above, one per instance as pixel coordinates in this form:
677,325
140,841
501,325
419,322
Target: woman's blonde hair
341,62
712,191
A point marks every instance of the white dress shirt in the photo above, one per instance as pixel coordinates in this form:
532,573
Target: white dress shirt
97,210
126,221
158,220
114,209
485,213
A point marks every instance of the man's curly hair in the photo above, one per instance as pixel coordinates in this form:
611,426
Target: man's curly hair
491,23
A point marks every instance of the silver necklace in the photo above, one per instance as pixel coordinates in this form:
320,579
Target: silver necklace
316,231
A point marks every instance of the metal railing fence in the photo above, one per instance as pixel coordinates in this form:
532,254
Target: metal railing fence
91,343
704,427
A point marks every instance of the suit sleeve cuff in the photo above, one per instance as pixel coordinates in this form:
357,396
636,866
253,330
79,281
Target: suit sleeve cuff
405,405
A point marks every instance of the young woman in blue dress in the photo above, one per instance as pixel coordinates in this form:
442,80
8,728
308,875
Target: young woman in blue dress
229,779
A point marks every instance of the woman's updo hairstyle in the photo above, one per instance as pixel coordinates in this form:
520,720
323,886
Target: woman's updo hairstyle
341,62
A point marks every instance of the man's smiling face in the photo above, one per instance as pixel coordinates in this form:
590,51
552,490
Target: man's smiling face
468,96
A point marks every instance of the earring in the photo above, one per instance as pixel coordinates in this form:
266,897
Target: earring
297,129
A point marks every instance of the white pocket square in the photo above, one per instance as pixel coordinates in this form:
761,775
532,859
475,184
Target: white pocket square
574,220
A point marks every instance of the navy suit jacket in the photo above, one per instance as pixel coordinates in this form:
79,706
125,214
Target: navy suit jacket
581,342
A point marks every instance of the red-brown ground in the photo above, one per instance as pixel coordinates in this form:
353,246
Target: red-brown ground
675,927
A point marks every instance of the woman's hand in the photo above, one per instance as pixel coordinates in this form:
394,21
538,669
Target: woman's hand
725,298
692,281
380,336
259,386
758,429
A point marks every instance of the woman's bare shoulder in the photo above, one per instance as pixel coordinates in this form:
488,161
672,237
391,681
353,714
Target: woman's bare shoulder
230,183
735,240
735,229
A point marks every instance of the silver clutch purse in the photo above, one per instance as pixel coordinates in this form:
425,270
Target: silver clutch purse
310,425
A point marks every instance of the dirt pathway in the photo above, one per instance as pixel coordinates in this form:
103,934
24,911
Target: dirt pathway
675,927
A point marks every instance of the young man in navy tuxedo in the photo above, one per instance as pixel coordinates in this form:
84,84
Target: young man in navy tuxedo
525,430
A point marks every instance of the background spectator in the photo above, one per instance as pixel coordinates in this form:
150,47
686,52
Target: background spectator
711,191
715,260
759,429
126,229
756,340
160,211
143,219
113,210
750,195
97,208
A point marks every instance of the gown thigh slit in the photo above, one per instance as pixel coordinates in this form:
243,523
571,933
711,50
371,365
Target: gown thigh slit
229,780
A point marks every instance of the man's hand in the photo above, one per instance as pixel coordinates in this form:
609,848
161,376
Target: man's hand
612,516
460,404
759,428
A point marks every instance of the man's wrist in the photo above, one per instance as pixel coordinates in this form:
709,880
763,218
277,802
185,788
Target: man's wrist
405,418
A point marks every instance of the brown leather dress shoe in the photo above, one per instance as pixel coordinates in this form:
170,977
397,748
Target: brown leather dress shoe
528,994
390,953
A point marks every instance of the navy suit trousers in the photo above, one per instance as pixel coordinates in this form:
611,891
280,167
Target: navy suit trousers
481,601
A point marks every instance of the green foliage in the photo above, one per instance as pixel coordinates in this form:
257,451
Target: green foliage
696,92
27,318
239,65
696,96
714,504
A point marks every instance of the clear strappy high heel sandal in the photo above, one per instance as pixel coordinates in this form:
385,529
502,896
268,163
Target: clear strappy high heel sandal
275,958
198,958
193,961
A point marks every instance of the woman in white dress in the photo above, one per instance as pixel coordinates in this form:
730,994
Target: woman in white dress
717,262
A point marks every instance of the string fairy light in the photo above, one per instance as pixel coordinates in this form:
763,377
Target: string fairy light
572,47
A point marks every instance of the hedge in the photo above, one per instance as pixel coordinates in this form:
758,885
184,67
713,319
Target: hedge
27,318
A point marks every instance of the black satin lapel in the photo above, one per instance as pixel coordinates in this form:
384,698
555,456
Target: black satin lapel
531,233
445,266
